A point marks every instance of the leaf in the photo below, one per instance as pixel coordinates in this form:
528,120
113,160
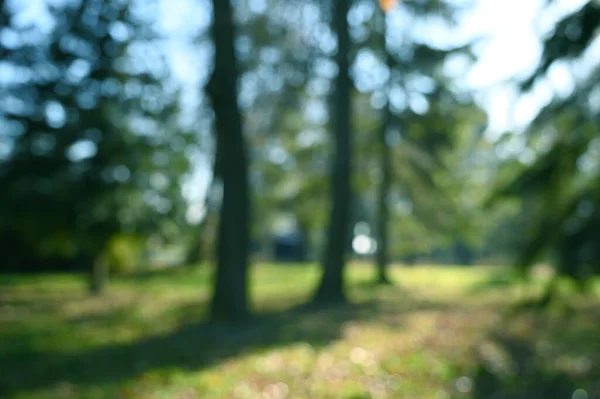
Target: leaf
387,5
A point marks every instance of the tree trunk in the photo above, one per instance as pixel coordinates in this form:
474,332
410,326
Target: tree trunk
196,251
199,247
383,213
229,300
382,257
331,287
99,272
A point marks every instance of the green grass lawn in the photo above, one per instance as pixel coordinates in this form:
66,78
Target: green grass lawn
439,332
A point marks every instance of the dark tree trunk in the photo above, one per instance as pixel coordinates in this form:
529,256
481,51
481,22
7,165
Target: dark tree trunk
331,287
229,300
196,251
198,248
382,257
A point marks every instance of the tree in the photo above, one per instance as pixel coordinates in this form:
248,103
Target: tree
202,235
416,134
331,286
230,295
92,132
382,256
562,180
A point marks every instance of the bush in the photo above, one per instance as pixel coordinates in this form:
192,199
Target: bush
124,253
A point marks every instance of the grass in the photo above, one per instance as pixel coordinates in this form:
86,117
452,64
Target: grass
439,332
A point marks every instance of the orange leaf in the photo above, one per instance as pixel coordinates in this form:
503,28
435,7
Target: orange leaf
387,5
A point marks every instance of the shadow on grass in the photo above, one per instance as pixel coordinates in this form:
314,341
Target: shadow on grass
497,281
195,345
191,347
558,359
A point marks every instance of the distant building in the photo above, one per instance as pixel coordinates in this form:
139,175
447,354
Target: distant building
289,247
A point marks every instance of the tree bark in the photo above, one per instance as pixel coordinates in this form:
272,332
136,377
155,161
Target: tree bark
99,273
331,287
382,257
195,252
198,248
229,300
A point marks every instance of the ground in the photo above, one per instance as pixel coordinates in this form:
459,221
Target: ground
439,332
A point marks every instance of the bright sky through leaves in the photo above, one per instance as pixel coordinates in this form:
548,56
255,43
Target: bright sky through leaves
513,48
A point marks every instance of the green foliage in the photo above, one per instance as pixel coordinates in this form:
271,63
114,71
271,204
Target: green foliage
91,131
560,187
289,68
124,253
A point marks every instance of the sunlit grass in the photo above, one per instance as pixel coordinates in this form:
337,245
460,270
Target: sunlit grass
146,338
